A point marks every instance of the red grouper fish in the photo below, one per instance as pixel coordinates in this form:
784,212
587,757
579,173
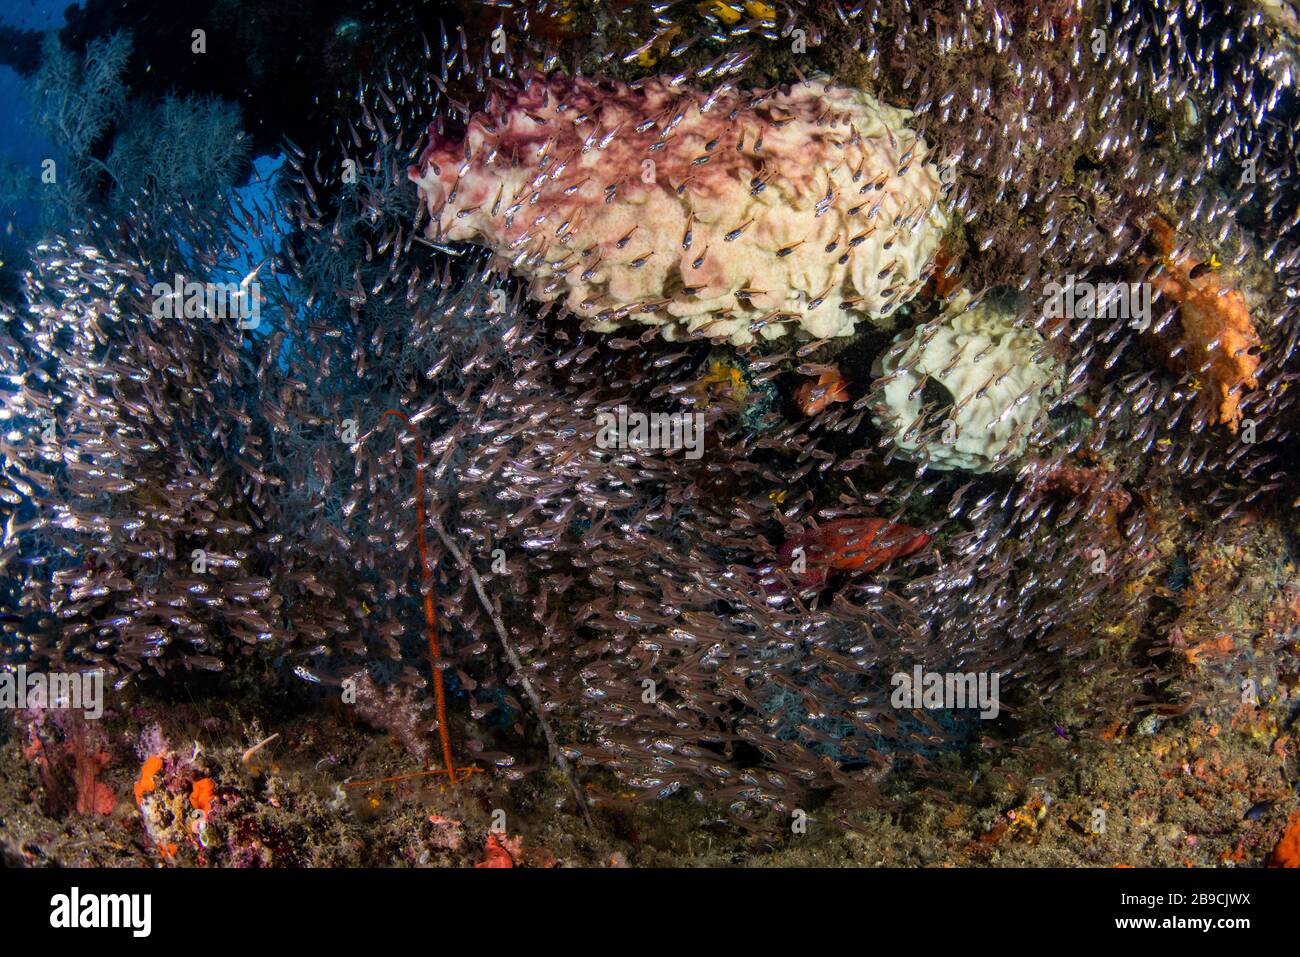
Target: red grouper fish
855,544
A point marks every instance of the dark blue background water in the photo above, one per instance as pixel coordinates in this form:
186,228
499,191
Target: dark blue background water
19,142
22,143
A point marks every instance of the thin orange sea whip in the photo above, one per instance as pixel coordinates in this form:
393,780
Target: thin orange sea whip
430,615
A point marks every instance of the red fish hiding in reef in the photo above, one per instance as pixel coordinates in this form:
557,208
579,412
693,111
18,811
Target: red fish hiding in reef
855,544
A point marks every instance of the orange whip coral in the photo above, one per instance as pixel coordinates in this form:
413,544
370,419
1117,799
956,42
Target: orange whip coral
430,615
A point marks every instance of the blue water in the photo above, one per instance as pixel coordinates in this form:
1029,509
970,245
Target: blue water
19,141
22,145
